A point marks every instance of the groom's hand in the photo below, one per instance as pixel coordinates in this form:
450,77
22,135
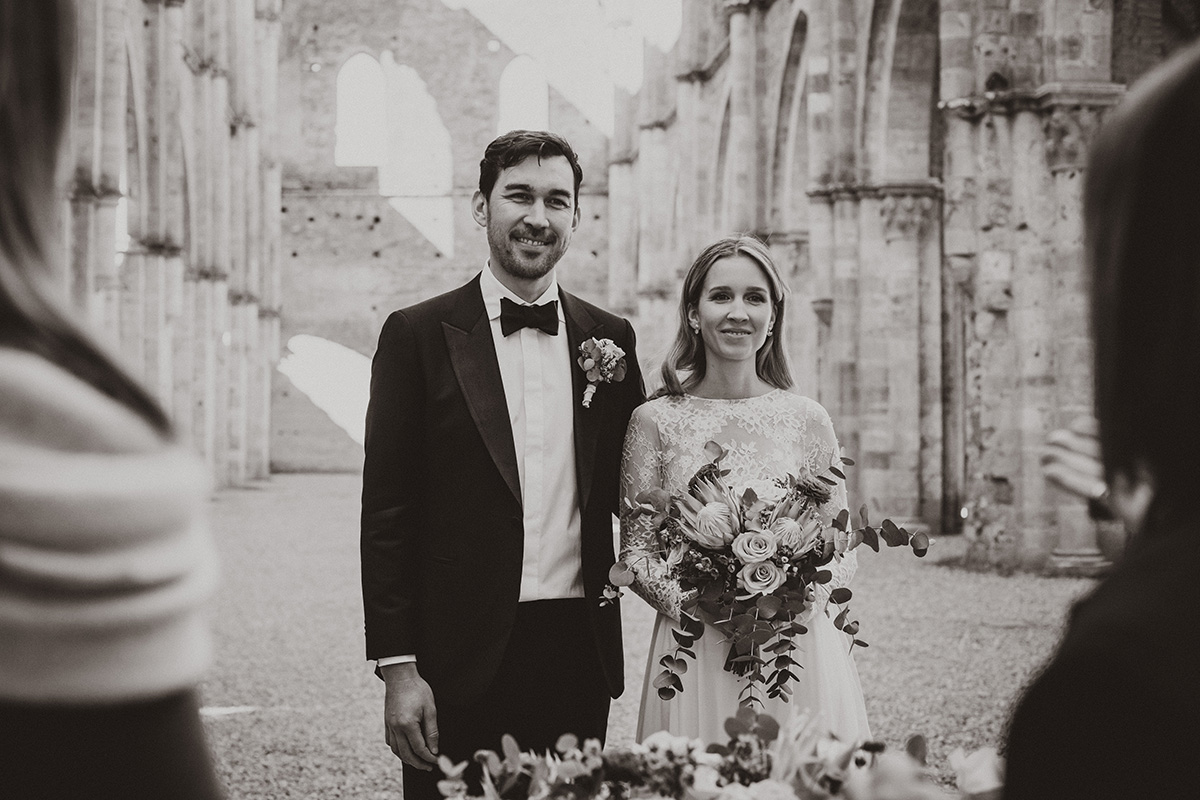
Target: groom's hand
409,716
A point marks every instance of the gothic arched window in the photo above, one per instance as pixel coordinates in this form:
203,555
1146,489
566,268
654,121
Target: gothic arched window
524,97
361,126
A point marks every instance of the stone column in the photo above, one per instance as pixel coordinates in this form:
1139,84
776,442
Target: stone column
820,252
956,79
1074,113
99,151
896,407
844,332
622,210
742,155
268,283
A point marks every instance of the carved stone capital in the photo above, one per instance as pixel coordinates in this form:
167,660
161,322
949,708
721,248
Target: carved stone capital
1069,131
907,208
744,6
1073,114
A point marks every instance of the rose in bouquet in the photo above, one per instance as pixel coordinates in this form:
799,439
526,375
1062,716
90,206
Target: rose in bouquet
750,568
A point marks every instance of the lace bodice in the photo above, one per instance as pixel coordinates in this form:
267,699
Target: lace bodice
764,437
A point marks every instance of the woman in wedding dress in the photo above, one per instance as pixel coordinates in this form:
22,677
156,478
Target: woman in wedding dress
726,380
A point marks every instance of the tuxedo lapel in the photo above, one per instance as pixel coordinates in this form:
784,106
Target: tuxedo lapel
473,355
581,326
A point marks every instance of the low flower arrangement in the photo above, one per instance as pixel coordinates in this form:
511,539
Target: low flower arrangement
749,568
759,762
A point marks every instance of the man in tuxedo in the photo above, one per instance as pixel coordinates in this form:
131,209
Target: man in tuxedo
489,489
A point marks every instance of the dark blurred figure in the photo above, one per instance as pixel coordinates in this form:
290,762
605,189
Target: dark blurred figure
1116,713
105,560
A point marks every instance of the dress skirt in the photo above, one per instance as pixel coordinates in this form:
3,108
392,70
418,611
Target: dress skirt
828,686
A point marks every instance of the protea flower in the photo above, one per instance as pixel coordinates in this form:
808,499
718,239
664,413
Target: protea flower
709,524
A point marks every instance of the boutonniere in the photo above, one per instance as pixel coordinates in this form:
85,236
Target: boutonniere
603,362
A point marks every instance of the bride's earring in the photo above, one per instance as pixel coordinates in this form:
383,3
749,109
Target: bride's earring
695,328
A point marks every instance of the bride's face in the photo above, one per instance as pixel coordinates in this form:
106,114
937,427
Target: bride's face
735,311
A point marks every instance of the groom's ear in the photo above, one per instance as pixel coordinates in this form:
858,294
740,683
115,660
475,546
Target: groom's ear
479,208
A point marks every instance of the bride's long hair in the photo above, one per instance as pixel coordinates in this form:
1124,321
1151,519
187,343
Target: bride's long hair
686,364
37,42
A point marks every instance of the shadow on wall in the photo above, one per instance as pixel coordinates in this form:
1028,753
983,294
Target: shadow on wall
319,405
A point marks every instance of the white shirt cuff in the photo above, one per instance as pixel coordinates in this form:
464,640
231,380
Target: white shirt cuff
387,662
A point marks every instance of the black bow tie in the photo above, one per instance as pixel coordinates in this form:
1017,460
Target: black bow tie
514,316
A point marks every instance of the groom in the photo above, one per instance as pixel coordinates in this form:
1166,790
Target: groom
489,489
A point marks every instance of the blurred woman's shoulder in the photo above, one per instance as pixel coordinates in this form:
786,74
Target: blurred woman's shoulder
42,404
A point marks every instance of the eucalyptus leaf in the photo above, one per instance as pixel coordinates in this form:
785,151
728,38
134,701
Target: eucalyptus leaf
841,520
620,574
840,595
769,605
856,538
684,639
871,538
666,693
737,725
838,472
849,462
892,534
920,544
767,728
862,515
918,749
714,451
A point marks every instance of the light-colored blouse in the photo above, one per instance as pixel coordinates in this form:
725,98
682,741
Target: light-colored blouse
105,557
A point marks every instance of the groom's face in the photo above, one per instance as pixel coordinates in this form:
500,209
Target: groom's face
529,216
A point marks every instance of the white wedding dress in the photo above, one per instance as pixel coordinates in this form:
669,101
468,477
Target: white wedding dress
765,438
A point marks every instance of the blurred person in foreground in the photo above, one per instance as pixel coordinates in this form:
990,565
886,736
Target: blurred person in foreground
1116,713
105,559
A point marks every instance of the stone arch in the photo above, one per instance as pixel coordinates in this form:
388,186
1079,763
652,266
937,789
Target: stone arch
523,99
360,130
417,173
789,156
901,93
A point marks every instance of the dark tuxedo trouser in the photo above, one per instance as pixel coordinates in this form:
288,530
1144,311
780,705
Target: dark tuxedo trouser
549,683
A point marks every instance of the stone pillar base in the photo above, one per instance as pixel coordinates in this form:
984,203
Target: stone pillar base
1085,563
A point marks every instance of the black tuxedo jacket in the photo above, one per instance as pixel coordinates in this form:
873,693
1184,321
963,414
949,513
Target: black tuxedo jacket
442,532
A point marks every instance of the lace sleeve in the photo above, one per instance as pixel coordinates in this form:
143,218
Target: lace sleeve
641,470
825,451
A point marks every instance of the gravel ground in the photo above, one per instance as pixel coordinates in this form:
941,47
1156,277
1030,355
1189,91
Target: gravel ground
292,709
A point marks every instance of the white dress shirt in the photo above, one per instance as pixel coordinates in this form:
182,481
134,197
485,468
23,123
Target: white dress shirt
535,369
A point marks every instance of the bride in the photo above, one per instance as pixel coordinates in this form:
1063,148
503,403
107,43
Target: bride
726,380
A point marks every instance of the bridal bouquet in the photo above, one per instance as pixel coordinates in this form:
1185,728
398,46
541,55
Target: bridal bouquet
750,568
759,762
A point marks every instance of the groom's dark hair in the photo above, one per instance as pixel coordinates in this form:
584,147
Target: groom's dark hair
514,147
